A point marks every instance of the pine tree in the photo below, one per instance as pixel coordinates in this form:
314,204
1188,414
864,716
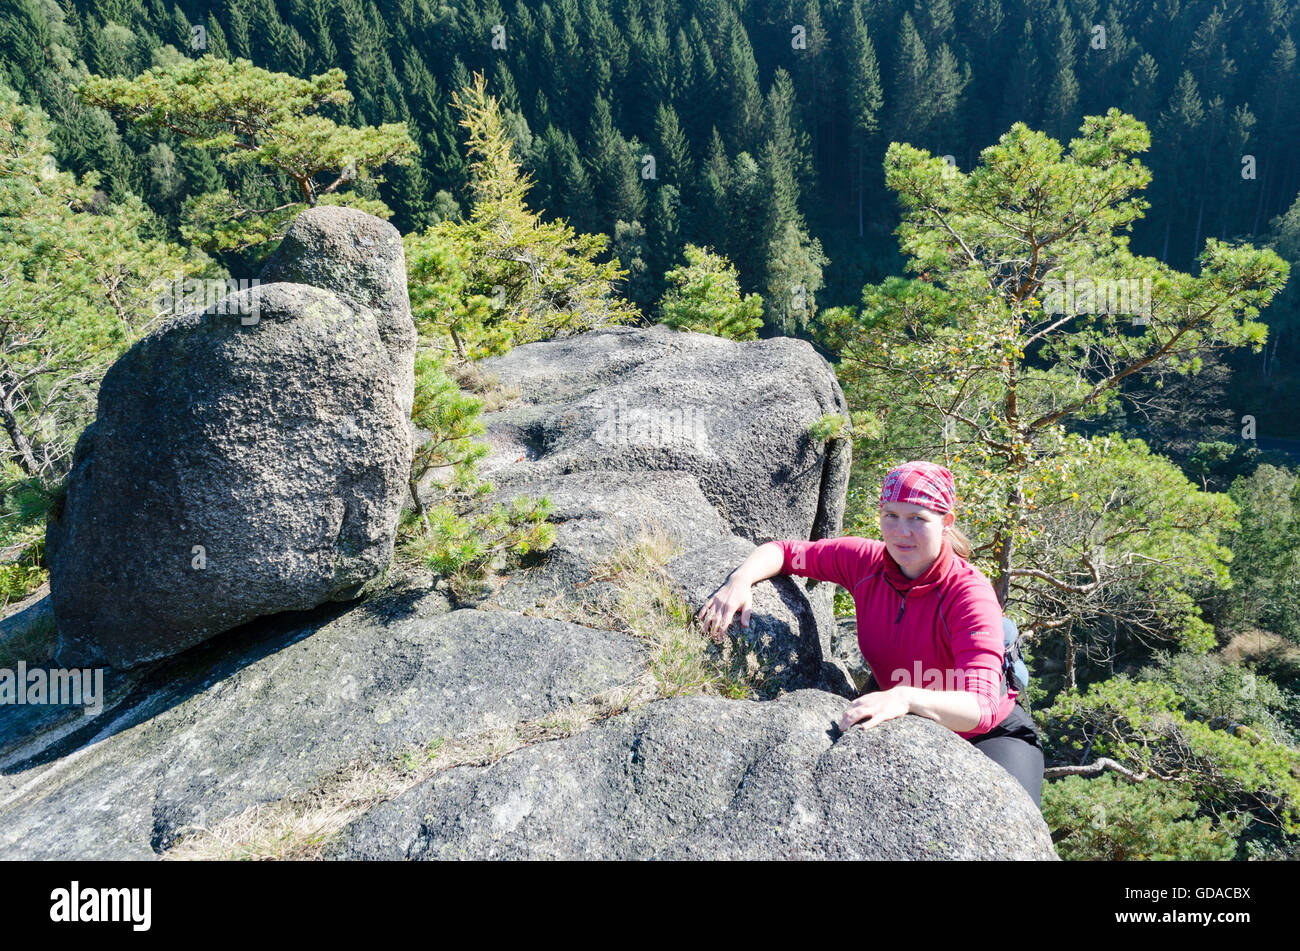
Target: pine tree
564,188
784,130
240,41
627,187
1212,67
503,87
81,281
295,57
697,72
1141,97
1178,130
179,29
504,277
1063,93
675,163
1020,100
317,24
711,228
948,81
781,191
664,233
408,196
865,97
814,69
217,44
794,275
738,76
256,118
750,203
1108,66
912,111
704,296
200,170
632,252
1280,121
616,172
270,34
968,320
936,18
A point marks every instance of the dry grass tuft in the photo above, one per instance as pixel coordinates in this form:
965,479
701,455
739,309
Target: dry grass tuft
647,604
33,644
485,385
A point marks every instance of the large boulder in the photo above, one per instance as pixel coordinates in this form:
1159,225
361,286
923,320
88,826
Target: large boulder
360,258
706,778
734,416
247,459
601,514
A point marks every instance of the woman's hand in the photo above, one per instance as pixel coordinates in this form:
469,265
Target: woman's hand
875,708
716,616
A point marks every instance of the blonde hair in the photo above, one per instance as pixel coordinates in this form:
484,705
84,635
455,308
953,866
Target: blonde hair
960,543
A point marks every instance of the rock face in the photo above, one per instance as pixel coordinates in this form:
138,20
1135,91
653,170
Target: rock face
283,704
248,459
705,778
629,431
733,416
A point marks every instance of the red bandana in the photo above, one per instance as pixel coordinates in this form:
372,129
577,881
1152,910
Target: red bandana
920,483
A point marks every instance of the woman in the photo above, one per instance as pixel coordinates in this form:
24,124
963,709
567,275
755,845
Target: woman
929,623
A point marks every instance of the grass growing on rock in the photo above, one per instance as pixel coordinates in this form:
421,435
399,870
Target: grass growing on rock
642,600
485,384
33,644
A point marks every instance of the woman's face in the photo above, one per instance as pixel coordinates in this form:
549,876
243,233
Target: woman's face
913,534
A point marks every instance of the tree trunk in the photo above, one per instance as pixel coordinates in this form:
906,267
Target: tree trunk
1070,681
23,454
419,505
1200,214
1003,545
1259,205
861,187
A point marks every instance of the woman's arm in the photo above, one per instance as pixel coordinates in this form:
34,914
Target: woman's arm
763,562
840,561
736,595
958,710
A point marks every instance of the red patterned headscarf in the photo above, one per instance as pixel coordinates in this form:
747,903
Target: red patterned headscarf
920,483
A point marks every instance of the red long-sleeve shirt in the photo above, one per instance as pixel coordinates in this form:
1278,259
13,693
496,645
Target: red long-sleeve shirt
940,631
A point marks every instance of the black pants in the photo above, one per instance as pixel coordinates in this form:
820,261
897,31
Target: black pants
1012,744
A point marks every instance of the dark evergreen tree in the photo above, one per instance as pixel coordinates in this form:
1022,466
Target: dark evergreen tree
1063,92
1021,101
237,29
631,250
664,235
738,76
912,109
675,164
865,99
1143,88
711,226
217,44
